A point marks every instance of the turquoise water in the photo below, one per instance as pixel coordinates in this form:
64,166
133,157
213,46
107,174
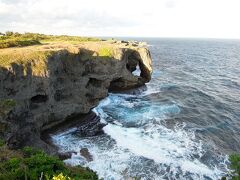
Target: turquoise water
181,125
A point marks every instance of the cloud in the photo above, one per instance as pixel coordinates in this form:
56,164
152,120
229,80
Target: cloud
166,18
170,3
58,16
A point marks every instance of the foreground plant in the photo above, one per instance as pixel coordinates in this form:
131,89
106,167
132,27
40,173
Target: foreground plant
34,164
61,177
235,166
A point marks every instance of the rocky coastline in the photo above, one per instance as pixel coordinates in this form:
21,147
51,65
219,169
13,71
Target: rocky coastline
55,86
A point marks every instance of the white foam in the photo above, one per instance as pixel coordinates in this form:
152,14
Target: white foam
116,156
108,163
162,146
166,147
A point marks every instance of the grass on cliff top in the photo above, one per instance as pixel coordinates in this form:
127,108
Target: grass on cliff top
33,164
105,52
37,58
14,39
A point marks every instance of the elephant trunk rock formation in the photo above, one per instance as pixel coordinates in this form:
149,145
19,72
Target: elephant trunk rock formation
53,83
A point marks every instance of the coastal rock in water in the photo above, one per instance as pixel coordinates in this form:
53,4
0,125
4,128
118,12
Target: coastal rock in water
85,153
92,127
65,155
53,83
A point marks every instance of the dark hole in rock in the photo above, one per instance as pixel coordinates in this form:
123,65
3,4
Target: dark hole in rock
116,84
39,98
133,64
94,82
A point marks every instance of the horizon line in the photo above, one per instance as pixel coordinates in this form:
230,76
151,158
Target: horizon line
121,36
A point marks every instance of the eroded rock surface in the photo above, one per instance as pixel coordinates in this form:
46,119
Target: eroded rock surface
68,81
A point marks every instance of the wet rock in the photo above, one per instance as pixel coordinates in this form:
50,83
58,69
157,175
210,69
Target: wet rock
65,155
92,127
85,153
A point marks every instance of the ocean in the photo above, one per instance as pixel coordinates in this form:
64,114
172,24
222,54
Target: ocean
182,125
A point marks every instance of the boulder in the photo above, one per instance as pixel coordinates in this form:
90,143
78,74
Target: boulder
85,153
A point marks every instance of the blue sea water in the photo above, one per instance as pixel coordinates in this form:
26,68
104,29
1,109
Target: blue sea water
182,125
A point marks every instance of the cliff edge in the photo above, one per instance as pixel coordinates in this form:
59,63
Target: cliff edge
53,82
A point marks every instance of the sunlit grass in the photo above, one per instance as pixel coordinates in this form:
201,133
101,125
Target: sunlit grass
10,39
105,52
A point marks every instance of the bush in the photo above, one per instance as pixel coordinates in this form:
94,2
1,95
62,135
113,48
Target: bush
35,163
15,42
235,166
9,33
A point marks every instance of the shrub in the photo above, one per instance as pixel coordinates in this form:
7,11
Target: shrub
9,33
235,166
29,151
16,42
35,163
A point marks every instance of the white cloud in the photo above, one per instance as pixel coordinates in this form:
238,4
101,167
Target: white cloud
161,18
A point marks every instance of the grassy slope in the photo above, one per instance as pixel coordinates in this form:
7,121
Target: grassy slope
35,53
46,46
11,39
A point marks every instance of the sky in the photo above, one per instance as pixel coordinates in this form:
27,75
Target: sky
128,18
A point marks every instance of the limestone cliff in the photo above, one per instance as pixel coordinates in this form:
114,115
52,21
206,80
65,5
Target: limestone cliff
54,82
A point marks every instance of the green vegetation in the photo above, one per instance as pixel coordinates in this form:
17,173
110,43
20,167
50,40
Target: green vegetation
234,173
36,57
34,164
17,42
14,39
11,39
105,52
235,166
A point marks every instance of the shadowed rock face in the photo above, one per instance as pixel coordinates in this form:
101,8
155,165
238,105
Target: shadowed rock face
71,82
